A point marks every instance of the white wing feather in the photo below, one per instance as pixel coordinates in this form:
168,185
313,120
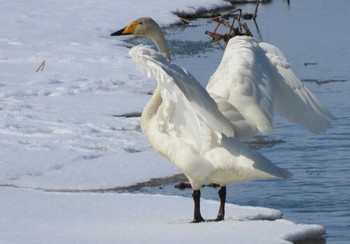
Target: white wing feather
257,161
295,101
256,79
244,81
187,106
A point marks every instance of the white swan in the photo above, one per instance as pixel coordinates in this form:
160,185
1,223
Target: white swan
197,130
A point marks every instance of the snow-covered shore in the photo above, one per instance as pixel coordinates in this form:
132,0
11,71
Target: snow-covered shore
29,216
59,131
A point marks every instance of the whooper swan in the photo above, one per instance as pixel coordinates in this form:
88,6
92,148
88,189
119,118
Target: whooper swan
199,129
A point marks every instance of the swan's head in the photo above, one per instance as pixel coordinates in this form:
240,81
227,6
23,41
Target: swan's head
145,27
148,28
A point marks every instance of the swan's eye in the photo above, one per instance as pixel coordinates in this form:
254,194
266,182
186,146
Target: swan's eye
140,23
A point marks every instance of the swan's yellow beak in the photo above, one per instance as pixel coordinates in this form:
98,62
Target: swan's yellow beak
127,30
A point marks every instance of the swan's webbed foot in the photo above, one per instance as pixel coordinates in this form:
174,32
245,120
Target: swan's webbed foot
198,220
219,218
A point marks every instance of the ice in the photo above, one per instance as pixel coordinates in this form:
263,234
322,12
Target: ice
63,129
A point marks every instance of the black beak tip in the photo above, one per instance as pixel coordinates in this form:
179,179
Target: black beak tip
118,33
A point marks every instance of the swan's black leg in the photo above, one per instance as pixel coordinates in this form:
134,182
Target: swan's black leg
197,211
222,195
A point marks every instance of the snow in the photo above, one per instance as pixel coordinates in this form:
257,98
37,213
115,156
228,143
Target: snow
62,129
134,218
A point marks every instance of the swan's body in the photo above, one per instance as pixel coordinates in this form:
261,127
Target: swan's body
184,124
198,131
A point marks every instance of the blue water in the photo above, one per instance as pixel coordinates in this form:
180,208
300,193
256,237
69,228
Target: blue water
314,32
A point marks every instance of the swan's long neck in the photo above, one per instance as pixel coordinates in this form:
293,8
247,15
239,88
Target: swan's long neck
158,38
152,106
150,110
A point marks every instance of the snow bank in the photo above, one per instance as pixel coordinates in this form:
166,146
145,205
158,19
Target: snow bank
29,216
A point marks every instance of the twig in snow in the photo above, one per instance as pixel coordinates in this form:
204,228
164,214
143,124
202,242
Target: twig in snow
41,66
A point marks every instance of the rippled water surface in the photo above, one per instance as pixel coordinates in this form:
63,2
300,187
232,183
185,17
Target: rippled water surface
315,37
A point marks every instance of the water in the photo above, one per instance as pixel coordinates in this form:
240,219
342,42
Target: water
315,38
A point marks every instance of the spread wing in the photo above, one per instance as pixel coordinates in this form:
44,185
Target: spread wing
294,100
187,109
243,80
256,79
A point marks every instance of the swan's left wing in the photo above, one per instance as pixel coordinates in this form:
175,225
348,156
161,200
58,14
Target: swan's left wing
294,100
243,80
256,79
186,104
